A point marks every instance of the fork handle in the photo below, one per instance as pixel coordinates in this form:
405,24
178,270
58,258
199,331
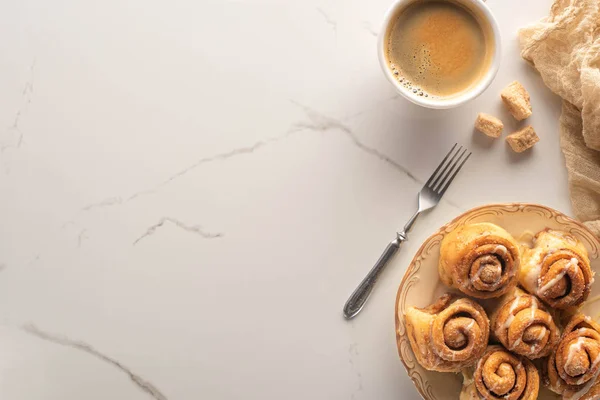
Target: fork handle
359,297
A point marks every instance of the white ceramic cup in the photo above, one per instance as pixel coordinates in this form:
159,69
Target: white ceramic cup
478,7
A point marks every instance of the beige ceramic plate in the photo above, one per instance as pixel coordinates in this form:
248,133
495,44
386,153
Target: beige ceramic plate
522,220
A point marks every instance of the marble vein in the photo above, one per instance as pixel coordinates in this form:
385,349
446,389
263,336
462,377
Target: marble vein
328,19
374,106
118,200
81,237
316,122
369,28
352,354
26,96
110,201
196,229
35,259
218,157
320,122
141,383
454,205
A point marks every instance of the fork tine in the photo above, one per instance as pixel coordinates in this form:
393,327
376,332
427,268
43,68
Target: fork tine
441,177
441,164
453,175
453,164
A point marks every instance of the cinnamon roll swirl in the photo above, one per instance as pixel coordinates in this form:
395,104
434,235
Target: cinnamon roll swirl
502,375
557,269
524,326
573,368
448,335
481,260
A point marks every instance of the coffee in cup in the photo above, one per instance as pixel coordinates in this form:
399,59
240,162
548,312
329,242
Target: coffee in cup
438,49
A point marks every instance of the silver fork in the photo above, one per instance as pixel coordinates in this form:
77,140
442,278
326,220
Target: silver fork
429,197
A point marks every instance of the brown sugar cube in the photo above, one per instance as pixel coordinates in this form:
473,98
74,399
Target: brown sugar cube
516,99
489,125
523,139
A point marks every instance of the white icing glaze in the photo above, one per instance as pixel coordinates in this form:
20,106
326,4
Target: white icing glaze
508,321
531,279
470,325
534,307
559,276
541,335
514,304
573,348
501,249
554,241
516,343
533,276
467,377
579,394
552,281
512,308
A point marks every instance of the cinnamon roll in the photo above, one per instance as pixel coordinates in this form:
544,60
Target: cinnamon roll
448,335
502,375
557,269
573,368
524,326
481,260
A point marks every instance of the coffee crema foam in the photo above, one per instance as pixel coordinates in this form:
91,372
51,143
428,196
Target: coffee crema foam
438,49
408,84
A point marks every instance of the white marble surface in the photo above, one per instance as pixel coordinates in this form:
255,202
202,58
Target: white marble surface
191,189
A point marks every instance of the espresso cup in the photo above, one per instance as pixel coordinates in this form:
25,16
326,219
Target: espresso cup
481,13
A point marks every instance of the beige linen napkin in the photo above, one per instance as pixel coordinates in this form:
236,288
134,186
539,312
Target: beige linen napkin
565,49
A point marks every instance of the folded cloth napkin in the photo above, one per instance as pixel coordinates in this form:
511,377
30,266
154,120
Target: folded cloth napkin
565,48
